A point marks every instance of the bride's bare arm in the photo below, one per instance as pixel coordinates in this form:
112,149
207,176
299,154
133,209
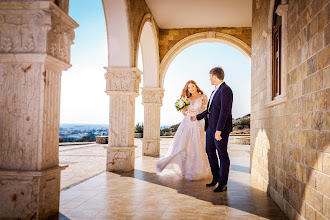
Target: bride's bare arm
204,103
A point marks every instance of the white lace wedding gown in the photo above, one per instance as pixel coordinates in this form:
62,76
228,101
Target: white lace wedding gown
187,156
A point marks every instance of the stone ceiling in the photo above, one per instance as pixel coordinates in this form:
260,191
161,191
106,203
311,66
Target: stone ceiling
201,13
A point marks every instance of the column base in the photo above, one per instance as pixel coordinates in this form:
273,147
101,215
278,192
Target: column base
120,159
150,147
30,194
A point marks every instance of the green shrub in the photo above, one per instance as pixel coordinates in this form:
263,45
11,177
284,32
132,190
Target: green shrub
139,128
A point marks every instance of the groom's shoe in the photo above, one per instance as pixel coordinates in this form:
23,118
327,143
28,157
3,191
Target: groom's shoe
221,188
213,183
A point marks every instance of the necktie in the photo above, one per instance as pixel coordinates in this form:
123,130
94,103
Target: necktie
209,102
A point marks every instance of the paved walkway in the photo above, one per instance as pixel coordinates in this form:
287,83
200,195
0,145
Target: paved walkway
143,194
86,161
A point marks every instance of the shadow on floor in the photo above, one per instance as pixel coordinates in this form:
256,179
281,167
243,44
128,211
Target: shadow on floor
240,196
240,168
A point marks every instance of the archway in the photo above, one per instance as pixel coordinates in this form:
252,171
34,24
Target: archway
152,95
199,38
194,63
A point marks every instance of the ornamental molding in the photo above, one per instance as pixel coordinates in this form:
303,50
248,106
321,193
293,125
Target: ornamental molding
34,58
152,96
46,6
122,79
38,173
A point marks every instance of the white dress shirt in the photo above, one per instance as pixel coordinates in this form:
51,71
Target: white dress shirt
212,95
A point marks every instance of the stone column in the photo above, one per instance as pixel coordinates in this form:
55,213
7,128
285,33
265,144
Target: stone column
123,88
35,42
152,100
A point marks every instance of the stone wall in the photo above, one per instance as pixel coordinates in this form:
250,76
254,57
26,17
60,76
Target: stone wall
169,37
290,142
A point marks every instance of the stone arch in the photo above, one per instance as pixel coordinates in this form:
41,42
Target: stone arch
118,31
148,38
210,36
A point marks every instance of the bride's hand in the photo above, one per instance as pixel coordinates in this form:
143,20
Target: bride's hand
185,111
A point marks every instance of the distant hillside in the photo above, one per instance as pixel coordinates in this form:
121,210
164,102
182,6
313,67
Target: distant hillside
242,125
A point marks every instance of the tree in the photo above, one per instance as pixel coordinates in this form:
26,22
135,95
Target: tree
139,128
88,138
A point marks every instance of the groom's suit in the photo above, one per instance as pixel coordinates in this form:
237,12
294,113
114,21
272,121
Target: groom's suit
218,117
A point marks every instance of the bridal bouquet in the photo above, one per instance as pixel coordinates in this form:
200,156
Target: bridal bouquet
181,104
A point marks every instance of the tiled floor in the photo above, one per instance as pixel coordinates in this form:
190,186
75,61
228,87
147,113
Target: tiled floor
143,194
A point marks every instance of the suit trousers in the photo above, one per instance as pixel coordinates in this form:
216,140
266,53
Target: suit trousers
220,173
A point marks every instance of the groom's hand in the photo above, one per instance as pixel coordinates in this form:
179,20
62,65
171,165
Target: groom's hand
218,135
193,118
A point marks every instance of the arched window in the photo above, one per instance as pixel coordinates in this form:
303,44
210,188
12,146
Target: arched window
276,52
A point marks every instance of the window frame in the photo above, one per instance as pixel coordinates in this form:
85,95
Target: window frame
277,9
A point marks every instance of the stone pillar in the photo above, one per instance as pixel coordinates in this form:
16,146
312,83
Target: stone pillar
152,100
123,88
35,42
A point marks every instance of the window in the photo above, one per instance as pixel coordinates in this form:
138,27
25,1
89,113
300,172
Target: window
276,52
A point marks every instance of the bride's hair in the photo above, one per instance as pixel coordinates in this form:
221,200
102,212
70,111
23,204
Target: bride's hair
186,93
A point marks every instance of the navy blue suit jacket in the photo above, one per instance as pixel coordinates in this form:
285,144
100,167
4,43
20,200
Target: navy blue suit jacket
220,116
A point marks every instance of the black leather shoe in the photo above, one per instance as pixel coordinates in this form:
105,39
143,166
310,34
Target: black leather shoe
213,183
220,188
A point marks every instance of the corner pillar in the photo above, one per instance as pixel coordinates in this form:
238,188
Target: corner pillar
35,44
123,88
152,100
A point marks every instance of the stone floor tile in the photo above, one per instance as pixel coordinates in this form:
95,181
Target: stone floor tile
145,194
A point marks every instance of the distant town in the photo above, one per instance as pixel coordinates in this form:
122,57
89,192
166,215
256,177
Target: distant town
88,132
77,132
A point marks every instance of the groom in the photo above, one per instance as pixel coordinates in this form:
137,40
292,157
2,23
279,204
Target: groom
218,125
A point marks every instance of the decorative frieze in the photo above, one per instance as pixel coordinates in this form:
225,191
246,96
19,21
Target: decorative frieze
23,31
152,96
39,28
123,79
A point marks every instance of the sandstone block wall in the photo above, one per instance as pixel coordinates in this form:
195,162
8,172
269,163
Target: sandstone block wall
290,142
169,37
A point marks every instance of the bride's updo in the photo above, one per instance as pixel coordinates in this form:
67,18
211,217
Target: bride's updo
186,93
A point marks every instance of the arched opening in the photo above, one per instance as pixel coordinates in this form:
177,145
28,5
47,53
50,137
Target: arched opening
84,104
151,93
199,38
148,48
119,44
194,63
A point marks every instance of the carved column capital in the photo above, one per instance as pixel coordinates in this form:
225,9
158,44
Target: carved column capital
123,80
152,96
40,28
281,9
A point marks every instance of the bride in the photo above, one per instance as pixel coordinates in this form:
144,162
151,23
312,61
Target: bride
187,156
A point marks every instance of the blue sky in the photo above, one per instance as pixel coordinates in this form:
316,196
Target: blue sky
83,98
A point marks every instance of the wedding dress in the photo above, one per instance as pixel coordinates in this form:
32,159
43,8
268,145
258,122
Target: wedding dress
187,156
